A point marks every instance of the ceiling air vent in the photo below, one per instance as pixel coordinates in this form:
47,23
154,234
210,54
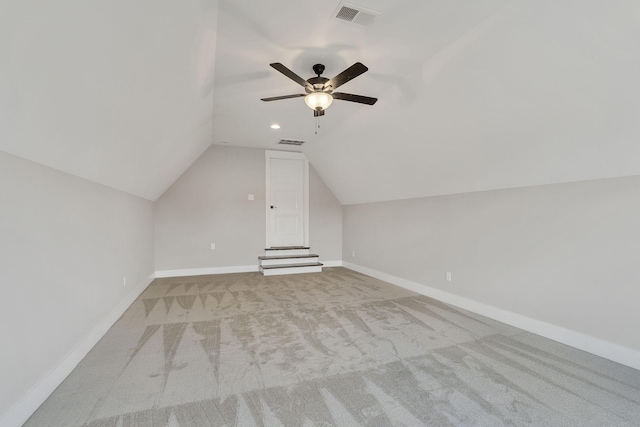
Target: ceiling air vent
290,142
356,15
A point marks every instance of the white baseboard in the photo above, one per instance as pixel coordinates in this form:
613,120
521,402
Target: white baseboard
21,412
208,270
224,270
332,263
597,346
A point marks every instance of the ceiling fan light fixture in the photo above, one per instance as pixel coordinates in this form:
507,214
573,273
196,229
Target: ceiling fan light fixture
320,91
318,100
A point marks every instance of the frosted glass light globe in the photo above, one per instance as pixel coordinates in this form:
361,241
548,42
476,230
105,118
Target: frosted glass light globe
318,100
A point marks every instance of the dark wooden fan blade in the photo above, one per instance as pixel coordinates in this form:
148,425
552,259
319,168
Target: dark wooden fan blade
354,98
293,76
276,98
350,73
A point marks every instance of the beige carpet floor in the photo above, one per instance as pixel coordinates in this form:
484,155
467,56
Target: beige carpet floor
336,348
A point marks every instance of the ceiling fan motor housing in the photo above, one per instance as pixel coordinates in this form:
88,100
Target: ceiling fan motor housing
318,84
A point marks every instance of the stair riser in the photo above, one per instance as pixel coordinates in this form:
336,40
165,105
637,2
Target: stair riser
292,270
286,261
286,252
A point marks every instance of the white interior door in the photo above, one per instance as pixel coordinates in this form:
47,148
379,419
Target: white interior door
287,199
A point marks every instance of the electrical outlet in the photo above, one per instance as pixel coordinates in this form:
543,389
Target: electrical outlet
448,276
124,282
213,246
353,254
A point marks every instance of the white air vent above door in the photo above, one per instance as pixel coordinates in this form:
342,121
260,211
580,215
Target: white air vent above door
290,142
353,14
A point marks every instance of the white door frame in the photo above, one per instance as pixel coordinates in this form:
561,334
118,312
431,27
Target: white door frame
272,154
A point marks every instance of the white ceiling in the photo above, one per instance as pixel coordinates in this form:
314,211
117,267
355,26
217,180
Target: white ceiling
472,95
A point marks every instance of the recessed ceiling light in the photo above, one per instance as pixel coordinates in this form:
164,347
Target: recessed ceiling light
275,126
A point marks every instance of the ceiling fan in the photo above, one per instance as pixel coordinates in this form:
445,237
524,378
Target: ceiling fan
320,90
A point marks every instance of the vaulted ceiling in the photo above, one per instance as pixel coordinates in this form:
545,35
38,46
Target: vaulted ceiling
118,92
472,95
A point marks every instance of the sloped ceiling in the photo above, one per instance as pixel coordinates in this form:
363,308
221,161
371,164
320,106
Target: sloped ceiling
474,95
118,92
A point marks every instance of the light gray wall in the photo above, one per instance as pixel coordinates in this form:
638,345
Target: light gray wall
325,220
208,204
65,246
566,254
